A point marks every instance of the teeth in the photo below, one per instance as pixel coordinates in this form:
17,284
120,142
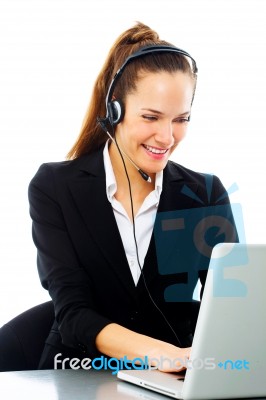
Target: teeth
155,151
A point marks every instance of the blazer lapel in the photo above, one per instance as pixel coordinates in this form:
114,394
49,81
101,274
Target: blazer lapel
173,197
89,192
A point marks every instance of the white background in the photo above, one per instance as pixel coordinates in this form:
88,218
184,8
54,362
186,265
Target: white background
50,54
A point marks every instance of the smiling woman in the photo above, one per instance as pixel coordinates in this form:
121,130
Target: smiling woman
94,216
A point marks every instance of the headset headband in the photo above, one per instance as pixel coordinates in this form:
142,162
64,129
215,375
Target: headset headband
142,52
115,109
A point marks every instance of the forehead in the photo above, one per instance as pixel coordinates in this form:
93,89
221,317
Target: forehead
163,86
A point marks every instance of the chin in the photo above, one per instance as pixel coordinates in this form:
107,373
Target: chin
156,169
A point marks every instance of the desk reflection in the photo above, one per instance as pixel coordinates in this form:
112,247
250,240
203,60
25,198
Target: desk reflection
69,385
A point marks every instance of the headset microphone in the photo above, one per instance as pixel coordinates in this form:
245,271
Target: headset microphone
145,176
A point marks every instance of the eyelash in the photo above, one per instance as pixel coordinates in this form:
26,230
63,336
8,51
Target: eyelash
154,118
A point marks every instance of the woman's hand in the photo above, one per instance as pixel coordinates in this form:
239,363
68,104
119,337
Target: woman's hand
117,341
169,358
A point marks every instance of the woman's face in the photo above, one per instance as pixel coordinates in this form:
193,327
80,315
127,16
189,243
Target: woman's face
155,120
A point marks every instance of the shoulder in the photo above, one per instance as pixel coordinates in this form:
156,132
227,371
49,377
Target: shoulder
63,171
175,171
208,185
51,169
50,172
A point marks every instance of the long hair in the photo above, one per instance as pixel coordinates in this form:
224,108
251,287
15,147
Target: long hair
91,136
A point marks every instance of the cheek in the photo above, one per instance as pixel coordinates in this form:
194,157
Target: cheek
139,132
179,135
173,148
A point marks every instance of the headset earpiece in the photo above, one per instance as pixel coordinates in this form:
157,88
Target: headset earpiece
115,112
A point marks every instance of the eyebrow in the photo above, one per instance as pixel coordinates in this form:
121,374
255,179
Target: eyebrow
160,113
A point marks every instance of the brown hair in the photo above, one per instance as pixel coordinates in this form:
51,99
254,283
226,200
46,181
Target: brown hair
92,136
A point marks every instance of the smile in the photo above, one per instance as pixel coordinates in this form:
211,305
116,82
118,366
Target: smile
154,150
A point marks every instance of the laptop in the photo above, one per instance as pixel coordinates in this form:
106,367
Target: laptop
228,355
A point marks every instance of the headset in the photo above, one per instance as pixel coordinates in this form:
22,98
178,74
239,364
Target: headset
114,115
115,108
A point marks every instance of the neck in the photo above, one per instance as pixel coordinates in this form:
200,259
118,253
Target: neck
136,180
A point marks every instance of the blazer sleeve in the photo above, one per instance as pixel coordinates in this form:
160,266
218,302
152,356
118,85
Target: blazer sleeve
60,272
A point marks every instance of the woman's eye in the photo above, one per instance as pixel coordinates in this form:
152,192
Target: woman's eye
149,117
182,120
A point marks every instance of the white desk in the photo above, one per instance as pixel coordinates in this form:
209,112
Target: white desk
69,385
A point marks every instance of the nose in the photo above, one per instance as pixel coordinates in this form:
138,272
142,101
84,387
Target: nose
165,134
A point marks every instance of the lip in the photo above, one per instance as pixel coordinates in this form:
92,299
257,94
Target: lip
156,156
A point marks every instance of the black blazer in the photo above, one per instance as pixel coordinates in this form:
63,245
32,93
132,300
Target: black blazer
81,259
